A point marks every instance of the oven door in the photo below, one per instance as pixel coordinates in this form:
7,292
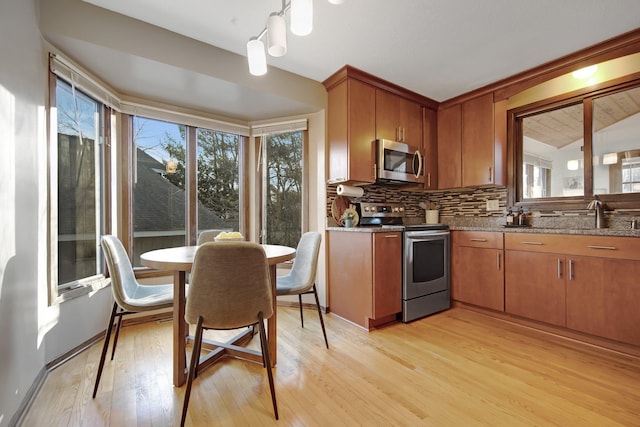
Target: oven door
426,266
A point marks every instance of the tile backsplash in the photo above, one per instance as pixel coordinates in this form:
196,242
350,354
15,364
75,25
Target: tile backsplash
468,207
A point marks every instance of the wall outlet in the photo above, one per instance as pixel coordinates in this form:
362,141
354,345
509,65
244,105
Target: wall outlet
493,205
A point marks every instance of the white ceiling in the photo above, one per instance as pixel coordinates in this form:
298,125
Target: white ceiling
437,48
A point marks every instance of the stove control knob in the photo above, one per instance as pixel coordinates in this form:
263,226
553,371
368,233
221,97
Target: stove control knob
401,209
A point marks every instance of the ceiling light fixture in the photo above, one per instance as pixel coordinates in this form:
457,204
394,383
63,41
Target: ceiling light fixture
585,72
301,24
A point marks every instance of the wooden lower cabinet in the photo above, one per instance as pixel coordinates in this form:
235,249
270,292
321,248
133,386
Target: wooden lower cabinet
603,297
551,279
533,286
365,276
477,269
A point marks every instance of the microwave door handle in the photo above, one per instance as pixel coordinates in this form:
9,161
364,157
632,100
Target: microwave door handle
419,157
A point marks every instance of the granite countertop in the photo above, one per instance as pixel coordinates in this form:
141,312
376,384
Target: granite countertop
500,229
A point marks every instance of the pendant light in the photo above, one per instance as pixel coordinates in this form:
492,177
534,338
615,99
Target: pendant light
301,17
256,57
277,35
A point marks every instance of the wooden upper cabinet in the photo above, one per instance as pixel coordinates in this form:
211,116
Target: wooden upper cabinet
351,132
483,141
430,148
450,147
472,143
398,119
477,141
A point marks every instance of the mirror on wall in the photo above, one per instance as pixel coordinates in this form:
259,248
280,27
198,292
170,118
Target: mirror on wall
557,161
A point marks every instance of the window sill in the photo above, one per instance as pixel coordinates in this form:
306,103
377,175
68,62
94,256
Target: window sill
79,289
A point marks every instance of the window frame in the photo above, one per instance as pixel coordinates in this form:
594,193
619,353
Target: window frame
127,158
57,292
261,163
515,154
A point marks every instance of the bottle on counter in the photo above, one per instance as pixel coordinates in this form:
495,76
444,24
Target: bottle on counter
510,217
522,219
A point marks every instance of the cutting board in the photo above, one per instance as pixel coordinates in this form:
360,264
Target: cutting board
338,206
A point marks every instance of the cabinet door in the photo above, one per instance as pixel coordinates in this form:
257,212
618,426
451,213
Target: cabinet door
477,277
477,141
387,274
351,132
387,115
535,286
449,147
602,298
398,119
430,148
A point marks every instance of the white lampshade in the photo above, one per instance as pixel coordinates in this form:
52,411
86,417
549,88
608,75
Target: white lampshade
277,35
256,57
301,17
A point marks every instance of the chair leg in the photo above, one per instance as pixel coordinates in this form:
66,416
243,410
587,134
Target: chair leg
324,332
301,316
195,357
105,346
115,338
267,360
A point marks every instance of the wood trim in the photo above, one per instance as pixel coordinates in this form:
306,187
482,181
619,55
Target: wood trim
191,215
245,185
615,47
126,172
354,73
554,330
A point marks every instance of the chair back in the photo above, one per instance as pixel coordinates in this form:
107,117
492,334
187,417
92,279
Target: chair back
305,264
210,235
229,285
124,285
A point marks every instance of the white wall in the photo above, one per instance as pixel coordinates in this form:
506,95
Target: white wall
22,80
32,332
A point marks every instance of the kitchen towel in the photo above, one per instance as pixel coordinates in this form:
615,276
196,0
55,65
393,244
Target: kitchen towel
345,190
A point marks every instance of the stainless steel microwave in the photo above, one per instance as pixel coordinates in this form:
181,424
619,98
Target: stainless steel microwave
398,162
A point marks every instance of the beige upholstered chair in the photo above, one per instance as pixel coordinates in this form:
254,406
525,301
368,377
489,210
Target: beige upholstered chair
130,297
302,278
209,235
230,288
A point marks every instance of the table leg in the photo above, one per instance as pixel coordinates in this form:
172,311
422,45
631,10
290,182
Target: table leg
179,329
271,322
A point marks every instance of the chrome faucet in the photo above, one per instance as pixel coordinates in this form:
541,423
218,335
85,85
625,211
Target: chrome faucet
597,205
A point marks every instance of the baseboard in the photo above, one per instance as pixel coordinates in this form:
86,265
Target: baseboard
557,331
305,305
18,417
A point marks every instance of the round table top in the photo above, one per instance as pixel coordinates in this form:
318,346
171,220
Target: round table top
181,258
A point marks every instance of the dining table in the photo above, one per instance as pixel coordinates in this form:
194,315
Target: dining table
179,261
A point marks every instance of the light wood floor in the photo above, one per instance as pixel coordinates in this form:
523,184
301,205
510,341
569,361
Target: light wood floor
456,368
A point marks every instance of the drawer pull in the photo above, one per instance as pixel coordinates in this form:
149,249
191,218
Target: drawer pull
609,248
570,269
478,240
391,236
533,243
498,261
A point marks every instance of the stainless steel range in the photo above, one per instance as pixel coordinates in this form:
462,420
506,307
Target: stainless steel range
425,276
425,280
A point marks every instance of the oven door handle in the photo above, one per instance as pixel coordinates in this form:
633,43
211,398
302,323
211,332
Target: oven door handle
423,235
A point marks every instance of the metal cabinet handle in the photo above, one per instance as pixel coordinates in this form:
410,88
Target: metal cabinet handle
533,243
570,269
498,261
478,240
610,248
559,268
490,174
391,236
429,179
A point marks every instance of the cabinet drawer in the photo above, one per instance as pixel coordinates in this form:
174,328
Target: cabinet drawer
596,246
477,239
